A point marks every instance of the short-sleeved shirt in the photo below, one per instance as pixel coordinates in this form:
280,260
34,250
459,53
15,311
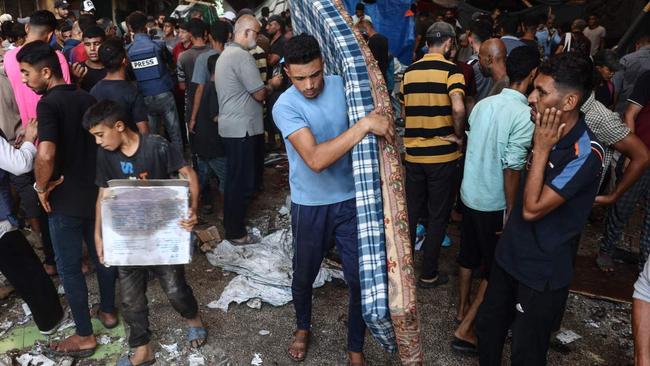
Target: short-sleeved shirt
605,125
154,159
185,72
641,97
259,55
59,114
539,253
92,77
78,54
125,93
201,74
470,81
579,43
26,98
511,42
642,284
595,36
634,64
499,137
205,141
326,117
426,89
237,78
483,84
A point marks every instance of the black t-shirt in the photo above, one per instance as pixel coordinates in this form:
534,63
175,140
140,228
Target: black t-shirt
59,115
278,46
540,253
206,142
92,77
378,45
155,158
125,93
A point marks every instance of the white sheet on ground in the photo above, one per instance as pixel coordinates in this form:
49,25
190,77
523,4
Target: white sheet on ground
264,270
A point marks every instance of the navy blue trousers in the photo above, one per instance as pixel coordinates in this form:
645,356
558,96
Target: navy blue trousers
314,229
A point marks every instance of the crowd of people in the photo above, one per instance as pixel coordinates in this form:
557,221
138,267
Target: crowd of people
513,126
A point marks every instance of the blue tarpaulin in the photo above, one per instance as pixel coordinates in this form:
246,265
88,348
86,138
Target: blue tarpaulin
389,19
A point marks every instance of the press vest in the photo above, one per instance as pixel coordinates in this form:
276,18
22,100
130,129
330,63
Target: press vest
149,66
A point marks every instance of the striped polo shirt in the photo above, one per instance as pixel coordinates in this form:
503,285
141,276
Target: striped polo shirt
425,91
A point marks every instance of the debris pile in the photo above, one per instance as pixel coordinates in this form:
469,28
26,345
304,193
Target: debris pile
264,271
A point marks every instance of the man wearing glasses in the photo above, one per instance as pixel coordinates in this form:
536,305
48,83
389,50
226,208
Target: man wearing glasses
241,91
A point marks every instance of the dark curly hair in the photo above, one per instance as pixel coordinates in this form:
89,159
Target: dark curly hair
570,70
520,62
301,50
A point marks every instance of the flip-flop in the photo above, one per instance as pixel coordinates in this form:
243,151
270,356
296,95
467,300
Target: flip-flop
605,263
79,353
304,340
125,361
198,334
463,346
441,279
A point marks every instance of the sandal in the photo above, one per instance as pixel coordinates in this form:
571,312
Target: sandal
299,344
198,335
440,279
244,241
605,262
74,352
464,346
126,361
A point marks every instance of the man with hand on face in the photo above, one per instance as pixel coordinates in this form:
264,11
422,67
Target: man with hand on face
89,72
313,119
533,268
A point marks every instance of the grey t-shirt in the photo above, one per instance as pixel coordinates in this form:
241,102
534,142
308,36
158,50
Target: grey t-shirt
236,78
483,84
201,74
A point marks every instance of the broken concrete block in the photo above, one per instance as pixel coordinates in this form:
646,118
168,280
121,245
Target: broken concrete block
208,235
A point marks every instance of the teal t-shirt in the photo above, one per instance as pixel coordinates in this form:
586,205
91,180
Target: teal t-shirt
327,117
500,135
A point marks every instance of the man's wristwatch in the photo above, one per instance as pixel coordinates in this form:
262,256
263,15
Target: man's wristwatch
38,190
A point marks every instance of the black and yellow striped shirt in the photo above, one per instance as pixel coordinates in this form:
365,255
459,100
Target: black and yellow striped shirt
426,88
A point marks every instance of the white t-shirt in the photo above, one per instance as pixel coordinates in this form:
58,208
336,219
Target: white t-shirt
595,35
355,18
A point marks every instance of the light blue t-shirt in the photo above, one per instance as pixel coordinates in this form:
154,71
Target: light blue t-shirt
327,117
500,134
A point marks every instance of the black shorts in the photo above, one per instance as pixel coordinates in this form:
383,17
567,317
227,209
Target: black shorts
478,239
24,186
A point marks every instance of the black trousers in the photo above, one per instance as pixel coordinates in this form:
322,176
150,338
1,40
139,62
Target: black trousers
20,265
133,285
530,314
241,170
431,186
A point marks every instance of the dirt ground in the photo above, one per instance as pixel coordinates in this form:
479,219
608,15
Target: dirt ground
235,338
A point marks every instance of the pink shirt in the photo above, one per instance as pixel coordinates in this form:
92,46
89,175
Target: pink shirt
25,97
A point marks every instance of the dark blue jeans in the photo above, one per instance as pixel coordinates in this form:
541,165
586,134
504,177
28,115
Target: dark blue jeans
68,233
314,229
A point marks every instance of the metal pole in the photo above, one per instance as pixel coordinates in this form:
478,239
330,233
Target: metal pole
627,37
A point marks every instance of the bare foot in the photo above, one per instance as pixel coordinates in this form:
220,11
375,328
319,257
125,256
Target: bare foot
50,269
356,359
142,354
299,345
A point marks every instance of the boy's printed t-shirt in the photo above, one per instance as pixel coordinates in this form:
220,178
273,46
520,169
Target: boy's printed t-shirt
154,159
